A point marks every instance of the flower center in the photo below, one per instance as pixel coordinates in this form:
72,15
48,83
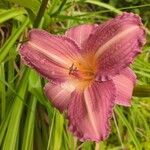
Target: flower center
83,70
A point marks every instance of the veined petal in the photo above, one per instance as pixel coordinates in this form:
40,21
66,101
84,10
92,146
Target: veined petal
124,83
115,43
60,93
80,33
89,111
50,55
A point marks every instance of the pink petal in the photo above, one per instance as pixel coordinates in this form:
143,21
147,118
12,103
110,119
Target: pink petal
124,83
116,43
80,33
59,94
89,111
50,55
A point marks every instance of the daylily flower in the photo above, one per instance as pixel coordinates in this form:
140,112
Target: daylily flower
88,70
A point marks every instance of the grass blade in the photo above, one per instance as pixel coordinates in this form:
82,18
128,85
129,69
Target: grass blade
10,140
27,142
9,14
104,5
130,131
11,41
2,93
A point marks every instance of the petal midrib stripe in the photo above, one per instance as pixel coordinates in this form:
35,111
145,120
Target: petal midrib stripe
114,40
51,56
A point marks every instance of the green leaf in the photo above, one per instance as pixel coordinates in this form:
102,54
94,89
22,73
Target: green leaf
33,5
3,127
57,132
142,91
11,13
27,141
104,5
10,140
2,92
128,126
11,40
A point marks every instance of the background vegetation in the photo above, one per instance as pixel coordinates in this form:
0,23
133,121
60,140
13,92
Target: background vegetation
27,119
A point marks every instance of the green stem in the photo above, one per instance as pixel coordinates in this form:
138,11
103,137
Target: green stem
40,13
142,91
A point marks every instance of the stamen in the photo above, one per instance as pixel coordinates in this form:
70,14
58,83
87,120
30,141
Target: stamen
72,69
81,72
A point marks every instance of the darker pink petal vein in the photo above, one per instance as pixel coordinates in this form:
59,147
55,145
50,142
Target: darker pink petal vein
88,70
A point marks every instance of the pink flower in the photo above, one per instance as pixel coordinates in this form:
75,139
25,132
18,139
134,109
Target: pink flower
88,70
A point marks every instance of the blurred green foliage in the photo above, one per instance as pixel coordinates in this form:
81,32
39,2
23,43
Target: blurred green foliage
27,119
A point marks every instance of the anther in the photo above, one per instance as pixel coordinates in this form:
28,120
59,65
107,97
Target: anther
71,69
